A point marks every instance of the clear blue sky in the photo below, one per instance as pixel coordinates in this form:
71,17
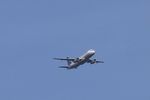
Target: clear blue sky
34,31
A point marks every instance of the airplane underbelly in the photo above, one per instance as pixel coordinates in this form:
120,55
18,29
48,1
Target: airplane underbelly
82,61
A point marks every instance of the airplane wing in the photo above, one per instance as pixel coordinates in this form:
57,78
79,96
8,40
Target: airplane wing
94,61
68,59
99,61
63,67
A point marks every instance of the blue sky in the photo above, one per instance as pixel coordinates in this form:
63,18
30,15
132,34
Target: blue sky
34,31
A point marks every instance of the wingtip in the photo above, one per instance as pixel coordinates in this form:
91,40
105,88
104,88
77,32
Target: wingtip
55,58
102,62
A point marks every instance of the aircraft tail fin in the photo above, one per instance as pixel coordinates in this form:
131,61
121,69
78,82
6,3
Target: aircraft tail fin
68,61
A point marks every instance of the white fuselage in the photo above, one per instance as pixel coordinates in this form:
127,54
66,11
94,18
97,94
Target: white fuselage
83,59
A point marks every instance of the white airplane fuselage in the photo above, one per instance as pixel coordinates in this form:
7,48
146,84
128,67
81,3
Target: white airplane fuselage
83,59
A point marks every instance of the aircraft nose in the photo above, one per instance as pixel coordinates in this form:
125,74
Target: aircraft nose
92,51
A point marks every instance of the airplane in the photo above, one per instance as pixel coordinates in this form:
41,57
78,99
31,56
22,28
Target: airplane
74,63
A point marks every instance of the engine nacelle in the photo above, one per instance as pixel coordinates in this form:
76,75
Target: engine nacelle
93,61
